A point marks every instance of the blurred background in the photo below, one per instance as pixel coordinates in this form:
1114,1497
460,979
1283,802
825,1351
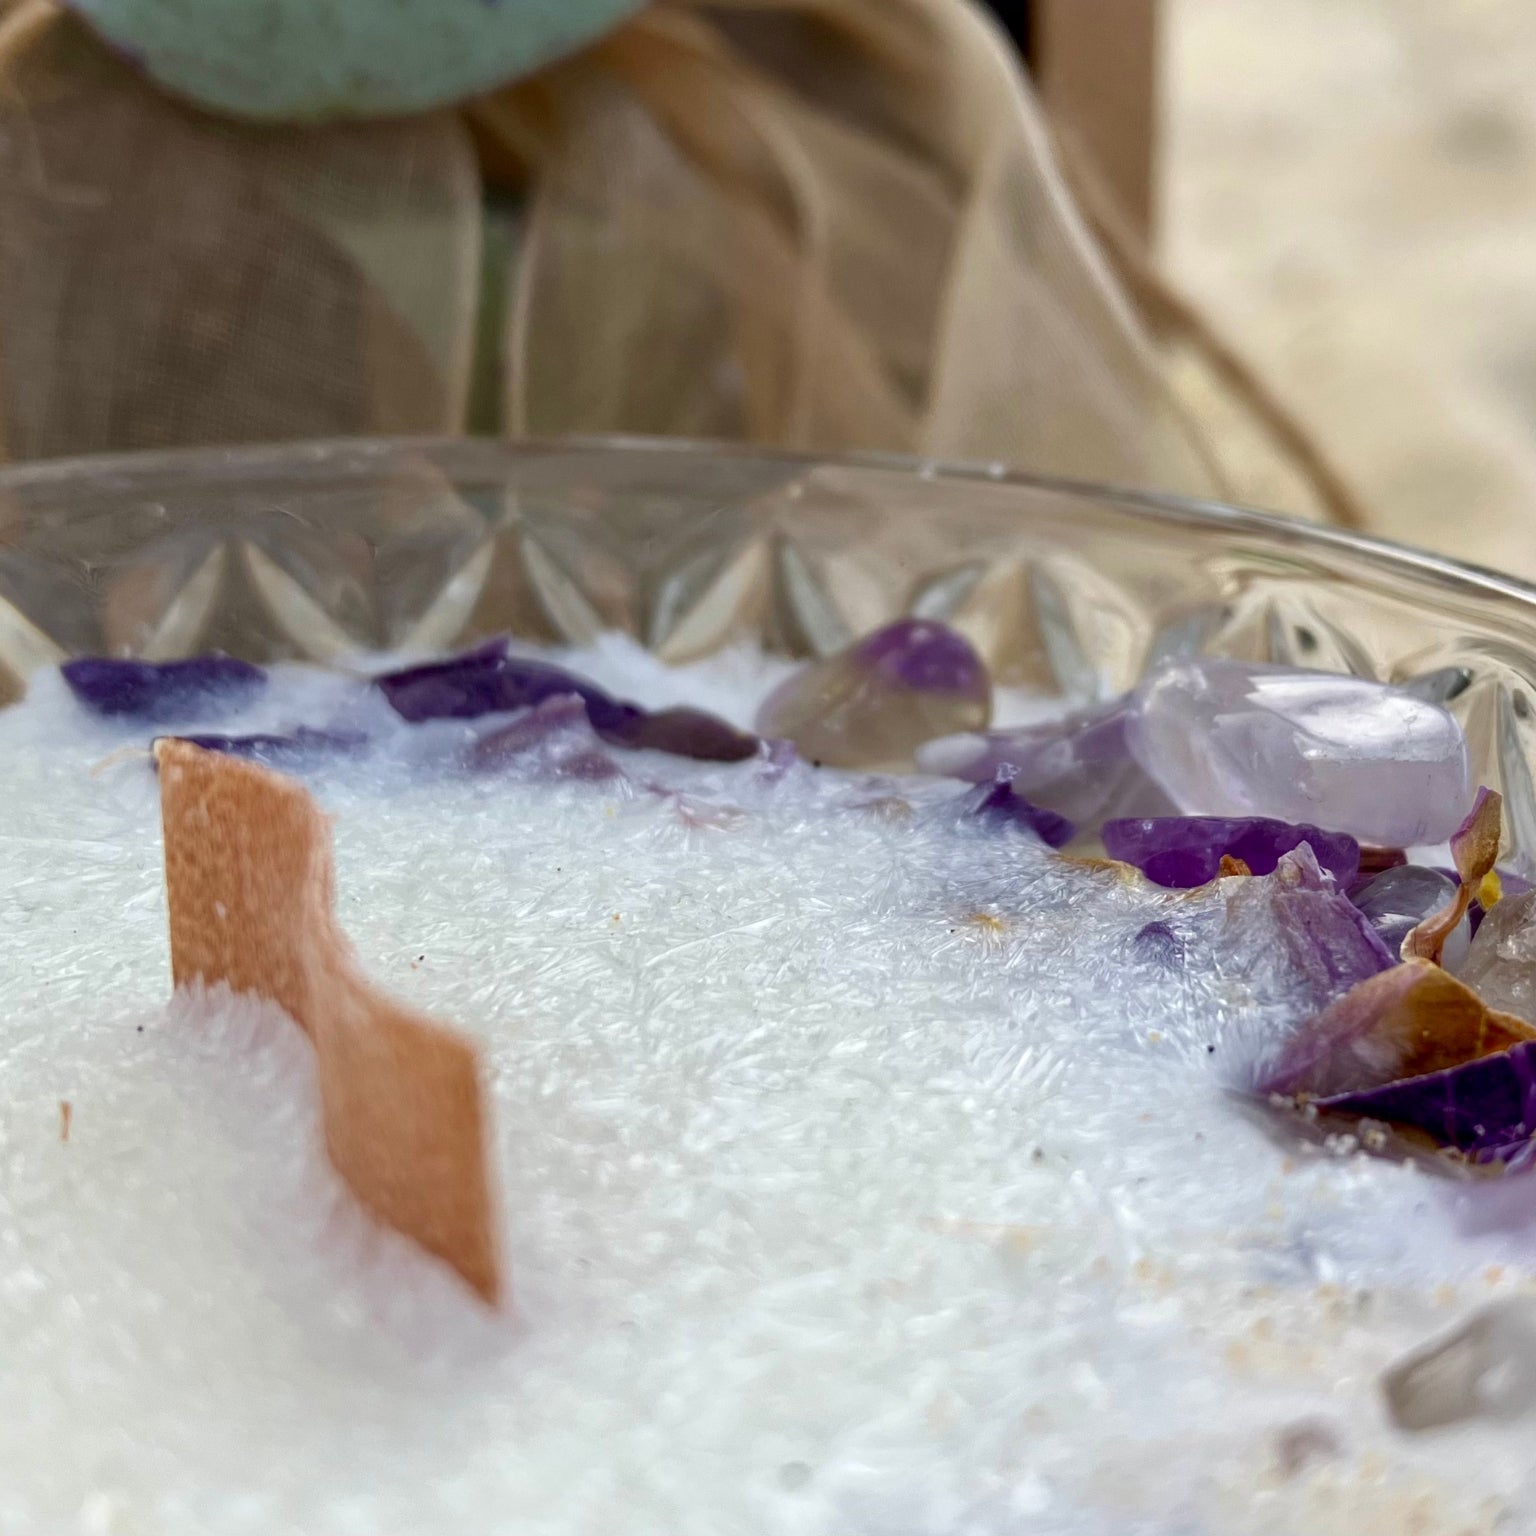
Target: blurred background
1349,189
1278,253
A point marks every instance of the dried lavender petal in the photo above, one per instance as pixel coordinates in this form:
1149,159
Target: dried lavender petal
302,742
1186,851
1484,1108
1001,801
1328,943
554,738
1079,766
1409,1020
490,680
162,690
685,732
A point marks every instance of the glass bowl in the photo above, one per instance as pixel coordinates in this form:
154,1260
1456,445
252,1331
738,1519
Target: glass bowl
318,551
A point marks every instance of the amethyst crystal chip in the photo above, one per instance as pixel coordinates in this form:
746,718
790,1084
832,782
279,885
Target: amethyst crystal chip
875,703
1186,851
162,690
1232,738
491,680
1000,801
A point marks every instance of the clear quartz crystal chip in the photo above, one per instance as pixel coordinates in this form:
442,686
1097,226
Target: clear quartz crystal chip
1397,900
1485,1369
875,703
1501,964
1232,738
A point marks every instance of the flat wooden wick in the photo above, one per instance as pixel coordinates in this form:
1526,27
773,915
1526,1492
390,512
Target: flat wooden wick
249,885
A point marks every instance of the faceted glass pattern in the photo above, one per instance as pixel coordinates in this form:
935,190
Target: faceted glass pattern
319,550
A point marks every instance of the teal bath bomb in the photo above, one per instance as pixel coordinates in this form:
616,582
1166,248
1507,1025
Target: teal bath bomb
319,60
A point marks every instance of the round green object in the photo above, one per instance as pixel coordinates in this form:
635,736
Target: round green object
320,60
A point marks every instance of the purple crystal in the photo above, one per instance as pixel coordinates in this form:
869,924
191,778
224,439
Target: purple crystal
162,690
1231,738
490,680
1484,1108
1079,766
1001,801
1186,851
873,704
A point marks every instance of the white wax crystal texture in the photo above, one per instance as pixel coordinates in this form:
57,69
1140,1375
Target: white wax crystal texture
1231,738
865,1174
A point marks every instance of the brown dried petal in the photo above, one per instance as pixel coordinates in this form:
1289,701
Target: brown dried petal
1475,848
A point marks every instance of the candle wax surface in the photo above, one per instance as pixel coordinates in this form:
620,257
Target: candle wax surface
862,1171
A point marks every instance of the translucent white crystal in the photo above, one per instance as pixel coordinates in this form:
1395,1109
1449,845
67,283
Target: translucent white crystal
864,1172
1229,738
1501,965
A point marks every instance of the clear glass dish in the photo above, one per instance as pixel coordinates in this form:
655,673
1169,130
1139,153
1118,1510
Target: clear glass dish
320,550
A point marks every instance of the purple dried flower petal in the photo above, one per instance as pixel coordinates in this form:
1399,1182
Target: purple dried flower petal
1409,1020
1079,765
1485,1108
1186,851
686,732
303,741
1001,801
146,690
875,703
1328,944
490,680
554,738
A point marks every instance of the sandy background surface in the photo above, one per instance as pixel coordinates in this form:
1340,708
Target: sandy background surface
1349,190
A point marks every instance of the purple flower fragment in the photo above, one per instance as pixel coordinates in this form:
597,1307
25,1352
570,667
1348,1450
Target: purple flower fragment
1412,1019
303,742
1475,848
1186,851
1327,943
1079,766
1484,1109
162,690
491,680
554,738
1000,801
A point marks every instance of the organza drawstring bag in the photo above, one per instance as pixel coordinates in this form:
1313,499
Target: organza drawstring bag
821,224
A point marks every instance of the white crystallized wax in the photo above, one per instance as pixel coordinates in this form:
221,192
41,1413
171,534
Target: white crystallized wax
861,1171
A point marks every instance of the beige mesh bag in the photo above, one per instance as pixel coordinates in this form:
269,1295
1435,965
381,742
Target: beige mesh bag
824,224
